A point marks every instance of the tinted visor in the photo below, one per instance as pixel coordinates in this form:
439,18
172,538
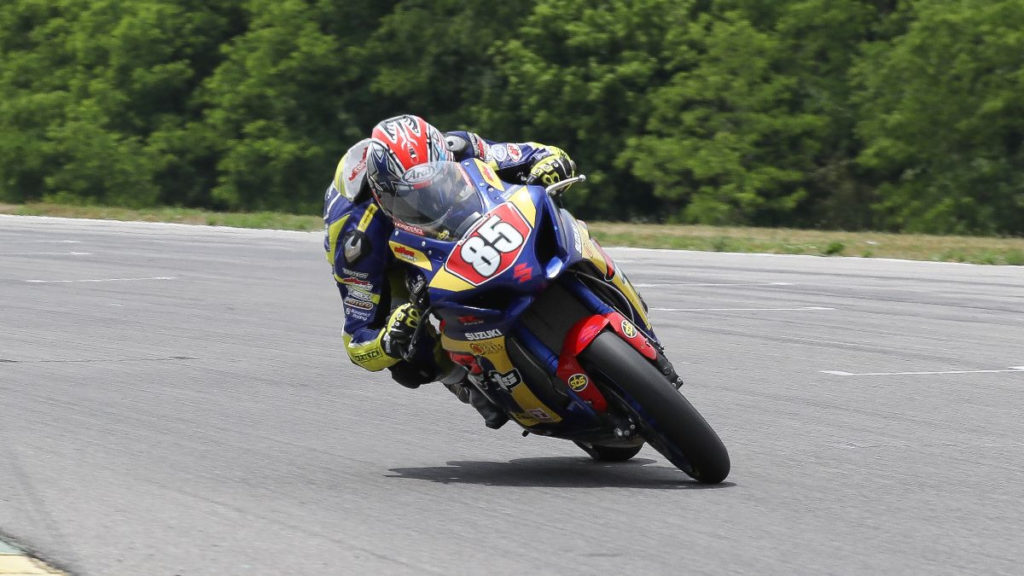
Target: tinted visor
436,197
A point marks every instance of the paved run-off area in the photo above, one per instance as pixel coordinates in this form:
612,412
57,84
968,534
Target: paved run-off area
174,400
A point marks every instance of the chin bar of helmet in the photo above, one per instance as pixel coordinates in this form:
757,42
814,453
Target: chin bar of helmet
556,189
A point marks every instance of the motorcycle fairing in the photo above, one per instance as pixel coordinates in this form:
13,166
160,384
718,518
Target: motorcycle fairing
410,255
537,242
593,253
494,364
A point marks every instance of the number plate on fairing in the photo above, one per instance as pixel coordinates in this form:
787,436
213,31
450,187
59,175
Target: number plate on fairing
491,247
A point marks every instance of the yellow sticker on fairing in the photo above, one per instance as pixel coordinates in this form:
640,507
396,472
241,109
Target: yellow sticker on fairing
524,203
410,255
593,253
489,176
445,280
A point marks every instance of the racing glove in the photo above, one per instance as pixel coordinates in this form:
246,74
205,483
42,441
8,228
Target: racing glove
552,169
398,332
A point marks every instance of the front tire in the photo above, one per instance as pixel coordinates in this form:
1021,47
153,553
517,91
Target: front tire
667,419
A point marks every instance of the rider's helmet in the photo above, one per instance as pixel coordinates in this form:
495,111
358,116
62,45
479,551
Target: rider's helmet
350,176
434,197
398,144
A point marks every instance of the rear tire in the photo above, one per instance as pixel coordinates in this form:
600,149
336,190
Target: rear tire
609,453
667,419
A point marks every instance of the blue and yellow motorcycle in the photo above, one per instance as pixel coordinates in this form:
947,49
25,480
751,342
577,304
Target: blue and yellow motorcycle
545,323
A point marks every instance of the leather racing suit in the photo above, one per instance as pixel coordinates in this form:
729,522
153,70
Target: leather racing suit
370,280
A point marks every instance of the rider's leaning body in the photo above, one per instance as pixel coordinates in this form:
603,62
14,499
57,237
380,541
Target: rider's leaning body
372,283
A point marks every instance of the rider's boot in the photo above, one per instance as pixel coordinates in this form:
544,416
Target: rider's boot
493,416
468,394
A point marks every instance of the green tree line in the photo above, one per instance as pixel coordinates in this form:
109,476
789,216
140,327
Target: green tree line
903,115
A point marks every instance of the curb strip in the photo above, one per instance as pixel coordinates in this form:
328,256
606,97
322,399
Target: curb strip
14,562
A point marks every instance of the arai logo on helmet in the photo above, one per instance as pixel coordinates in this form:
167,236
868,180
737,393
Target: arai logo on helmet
419,172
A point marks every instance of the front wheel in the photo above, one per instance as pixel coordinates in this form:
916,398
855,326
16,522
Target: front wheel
667,419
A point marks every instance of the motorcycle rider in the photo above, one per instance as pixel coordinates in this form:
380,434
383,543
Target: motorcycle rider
379,317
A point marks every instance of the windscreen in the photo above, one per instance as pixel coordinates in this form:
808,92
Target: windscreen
437,198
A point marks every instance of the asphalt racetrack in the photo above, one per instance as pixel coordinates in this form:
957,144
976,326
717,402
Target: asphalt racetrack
175,400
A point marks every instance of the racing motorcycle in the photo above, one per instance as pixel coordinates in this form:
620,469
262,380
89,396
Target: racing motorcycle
545,323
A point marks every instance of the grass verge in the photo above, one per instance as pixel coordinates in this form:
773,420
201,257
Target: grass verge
970,249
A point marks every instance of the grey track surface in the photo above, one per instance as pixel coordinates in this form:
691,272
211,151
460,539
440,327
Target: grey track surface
208,422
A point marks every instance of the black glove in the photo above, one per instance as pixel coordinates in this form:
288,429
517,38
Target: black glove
398,333
552,169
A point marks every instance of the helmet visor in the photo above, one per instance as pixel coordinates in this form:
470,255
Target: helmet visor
437,198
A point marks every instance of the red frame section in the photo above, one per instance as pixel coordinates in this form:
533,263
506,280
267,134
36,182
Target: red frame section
577,340
468,361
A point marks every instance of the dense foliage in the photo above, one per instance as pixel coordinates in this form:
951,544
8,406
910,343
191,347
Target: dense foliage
884,114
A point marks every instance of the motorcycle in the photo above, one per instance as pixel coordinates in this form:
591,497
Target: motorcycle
544,322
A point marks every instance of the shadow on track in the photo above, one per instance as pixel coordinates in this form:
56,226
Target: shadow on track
557,472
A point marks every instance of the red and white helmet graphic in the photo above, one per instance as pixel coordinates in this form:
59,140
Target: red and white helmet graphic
398,144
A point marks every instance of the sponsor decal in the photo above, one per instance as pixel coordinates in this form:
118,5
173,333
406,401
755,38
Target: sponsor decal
410,255
360,166
364,222
578,382
577,241
485,348
489,176
360,315
478,145
360,295
507,380
491,247
409,228
355,274
628,329
522,272
367,355
539,414
419,173
514,152
353,303
357,283
404,253
492,333
469,320
497,154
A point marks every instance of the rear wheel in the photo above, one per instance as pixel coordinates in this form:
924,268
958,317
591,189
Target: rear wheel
609,453
667,420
